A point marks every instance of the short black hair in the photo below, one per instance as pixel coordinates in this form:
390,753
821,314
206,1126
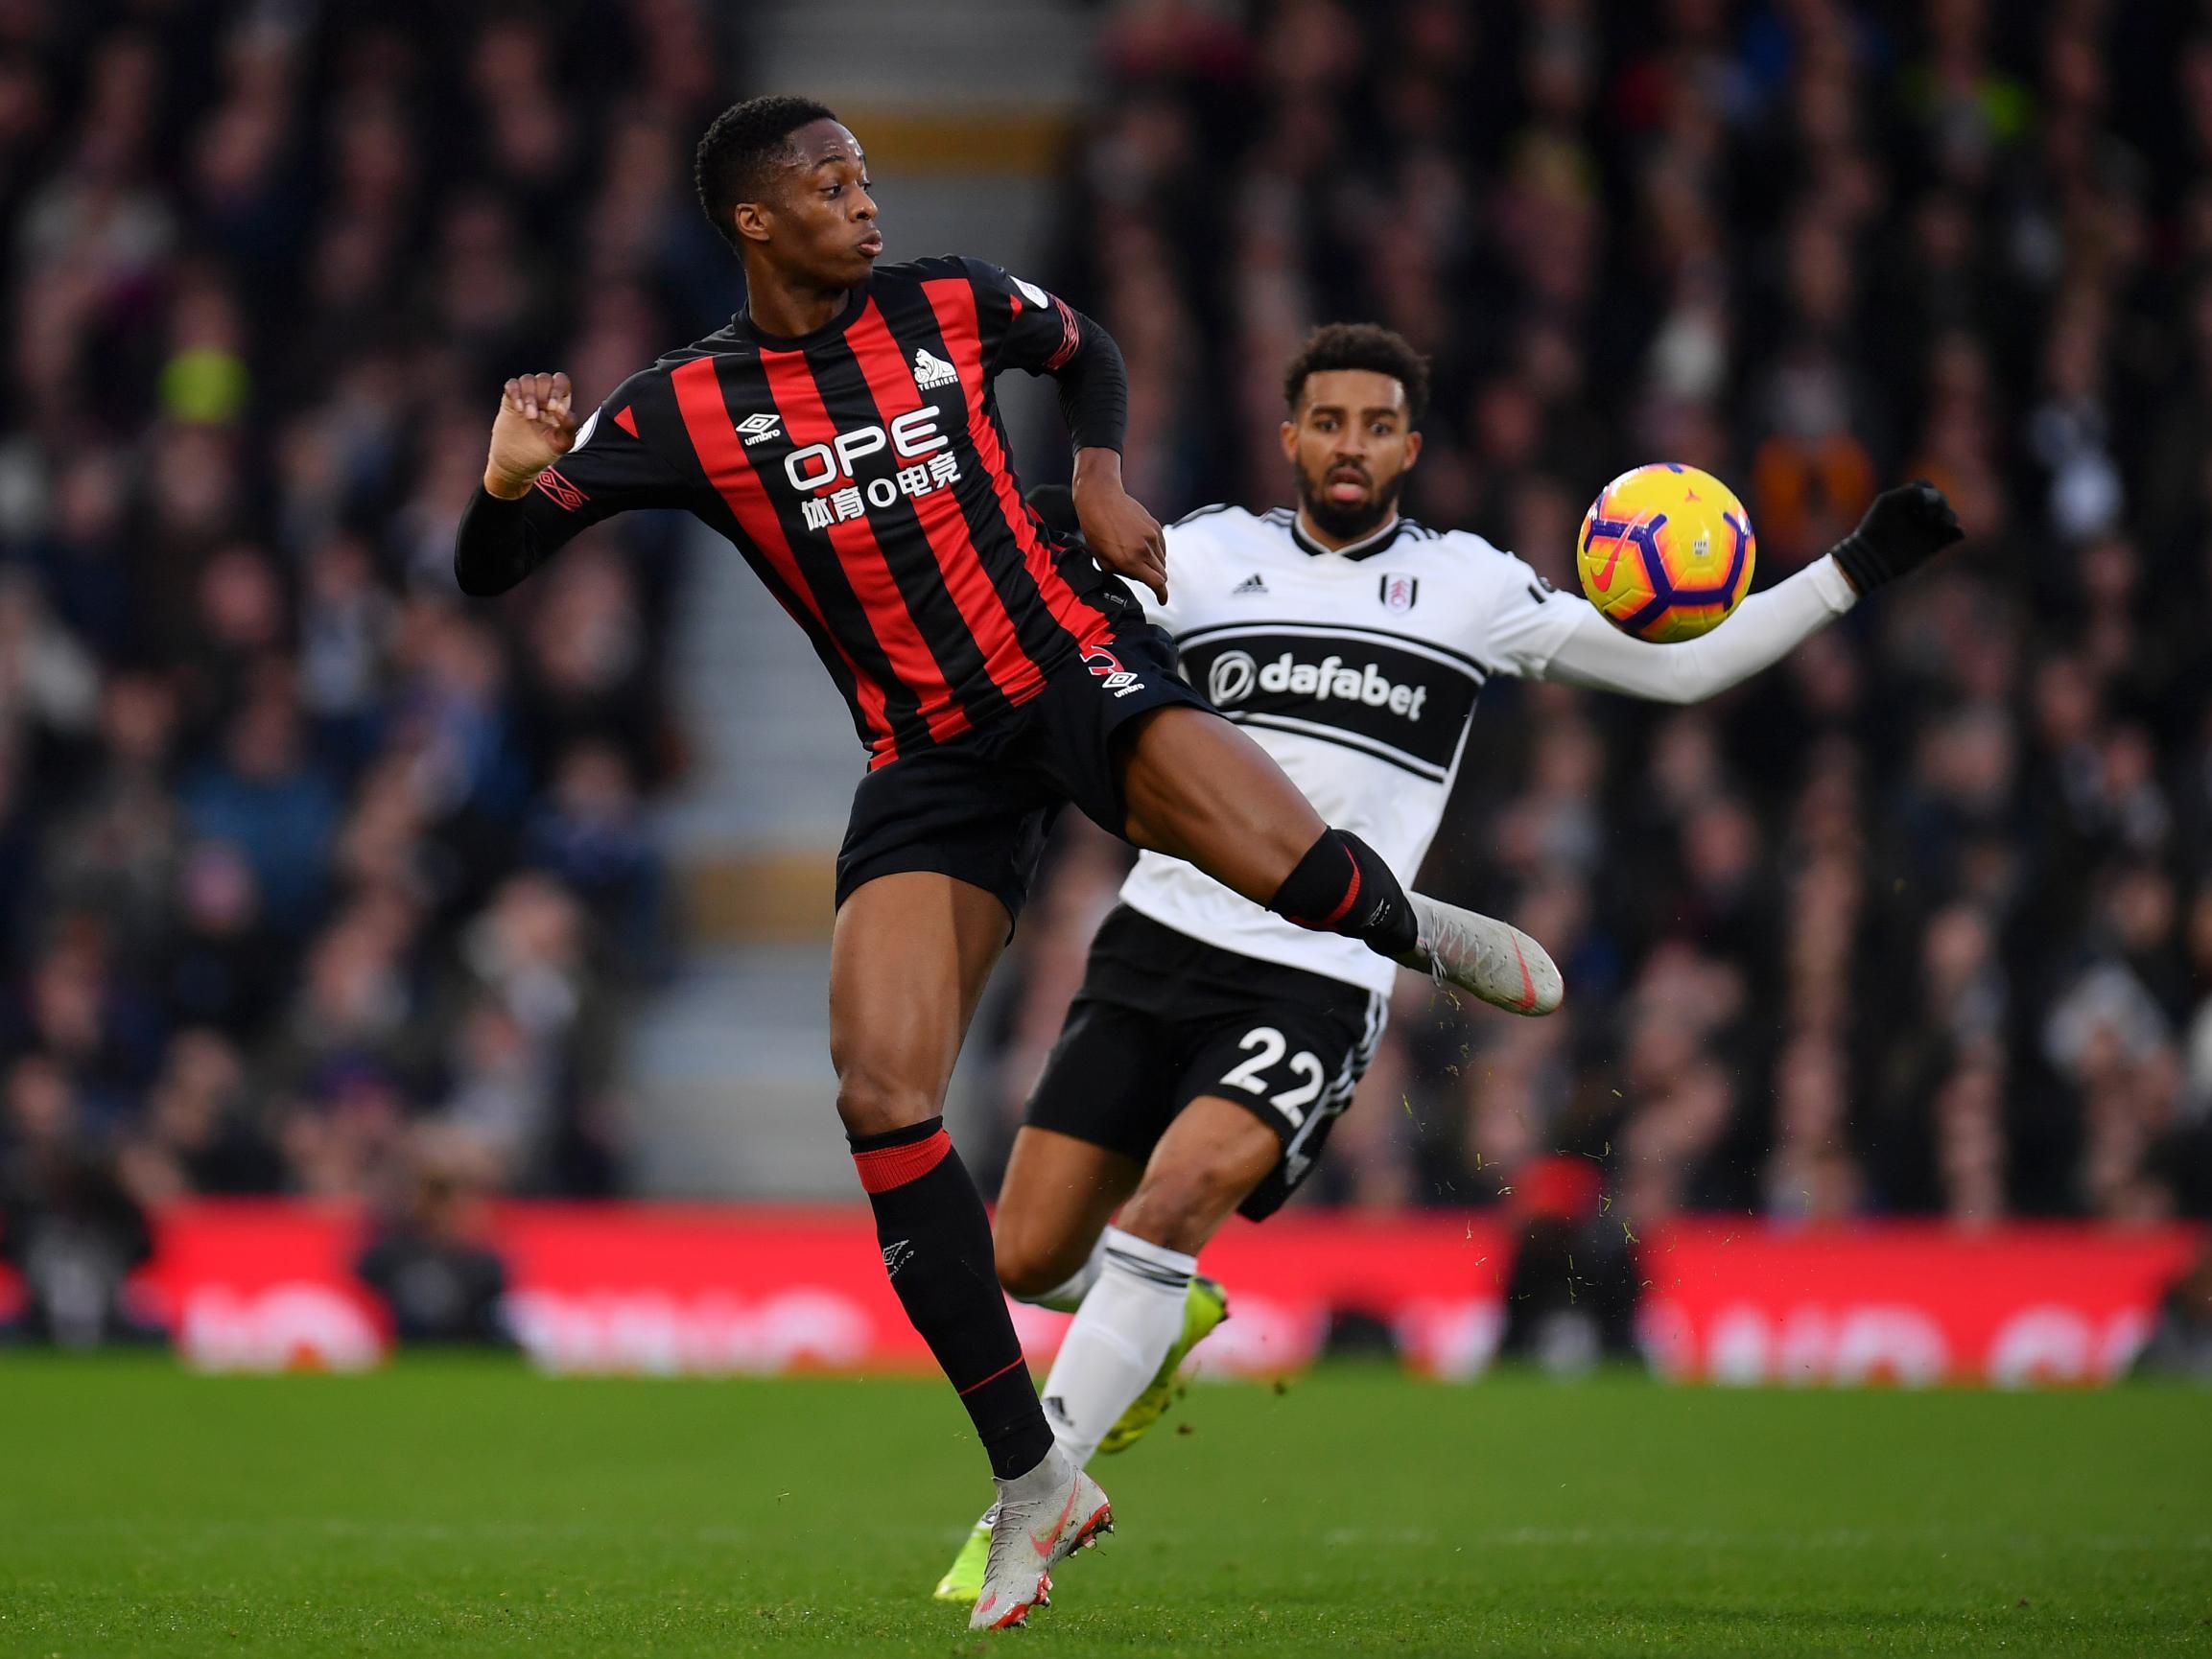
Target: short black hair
738,158
1367,346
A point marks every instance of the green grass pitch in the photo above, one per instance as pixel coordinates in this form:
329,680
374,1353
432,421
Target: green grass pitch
457,1507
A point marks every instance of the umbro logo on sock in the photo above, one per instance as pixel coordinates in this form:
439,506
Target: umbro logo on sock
1251,584
932,370
897,1255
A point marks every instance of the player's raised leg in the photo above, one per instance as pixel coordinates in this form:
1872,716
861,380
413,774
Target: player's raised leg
907,963
1198,788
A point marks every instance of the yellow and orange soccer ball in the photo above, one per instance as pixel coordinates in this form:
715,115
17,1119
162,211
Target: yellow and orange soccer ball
1666,553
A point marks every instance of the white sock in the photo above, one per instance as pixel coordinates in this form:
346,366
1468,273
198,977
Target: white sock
1066,1298
1121,1333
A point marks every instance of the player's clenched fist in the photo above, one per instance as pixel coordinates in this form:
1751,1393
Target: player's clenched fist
536,427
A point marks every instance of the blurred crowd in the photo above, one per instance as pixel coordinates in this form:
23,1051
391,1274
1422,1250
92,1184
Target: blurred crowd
313,878
310,872
1920,922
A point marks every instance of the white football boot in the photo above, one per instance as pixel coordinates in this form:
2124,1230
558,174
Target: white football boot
1044,1517
1498,963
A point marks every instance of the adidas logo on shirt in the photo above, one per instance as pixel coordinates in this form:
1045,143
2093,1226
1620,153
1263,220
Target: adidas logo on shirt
930,370
1251,584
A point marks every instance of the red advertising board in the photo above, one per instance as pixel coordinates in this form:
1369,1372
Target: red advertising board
676,1287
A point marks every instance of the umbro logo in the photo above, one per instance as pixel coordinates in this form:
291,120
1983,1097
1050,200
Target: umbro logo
931,370
1251,584
896,1255
759,428
1110,673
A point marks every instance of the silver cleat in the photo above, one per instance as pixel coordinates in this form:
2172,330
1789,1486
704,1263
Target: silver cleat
1498,963
1044,1517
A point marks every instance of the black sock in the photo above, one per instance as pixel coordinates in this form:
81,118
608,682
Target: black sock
936,1241
1343,887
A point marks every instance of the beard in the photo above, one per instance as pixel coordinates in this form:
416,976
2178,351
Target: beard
1346,521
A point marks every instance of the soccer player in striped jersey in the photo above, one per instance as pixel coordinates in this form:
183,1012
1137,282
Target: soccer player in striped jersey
841,433
1210,1048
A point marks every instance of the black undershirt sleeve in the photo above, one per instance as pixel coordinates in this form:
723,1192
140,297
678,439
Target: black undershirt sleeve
1095,389
1025,328
500,542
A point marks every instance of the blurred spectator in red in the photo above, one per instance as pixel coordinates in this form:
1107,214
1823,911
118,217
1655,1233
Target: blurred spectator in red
430,1260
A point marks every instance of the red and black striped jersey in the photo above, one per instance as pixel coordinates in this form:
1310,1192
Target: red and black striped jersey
864,472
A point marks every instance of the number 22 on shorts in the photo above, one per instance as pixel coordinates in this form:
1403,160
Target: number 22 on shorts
1267,1046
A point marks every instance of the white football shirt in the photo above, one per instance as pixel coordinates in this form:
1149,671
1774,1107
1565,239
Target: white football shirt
1358,671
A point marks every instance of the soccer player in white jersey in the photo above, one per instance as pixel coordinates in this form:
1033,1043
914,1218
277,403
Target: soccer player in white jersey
1213,1044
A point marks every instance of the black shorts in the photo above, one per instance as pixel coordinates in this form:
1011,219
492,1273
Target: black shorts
1162,1019
977,808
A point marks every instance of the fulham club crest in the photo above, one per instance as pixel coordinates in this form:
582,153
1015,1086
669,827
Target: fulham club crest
1400,592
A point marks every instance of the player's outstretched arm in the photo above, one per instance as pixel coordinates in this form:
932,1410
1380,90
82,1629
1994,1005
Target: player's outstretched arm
1902,530
527,510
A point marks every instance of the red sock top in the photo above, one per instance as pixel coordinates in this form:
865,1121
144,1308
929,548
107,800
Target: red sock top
890,1166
